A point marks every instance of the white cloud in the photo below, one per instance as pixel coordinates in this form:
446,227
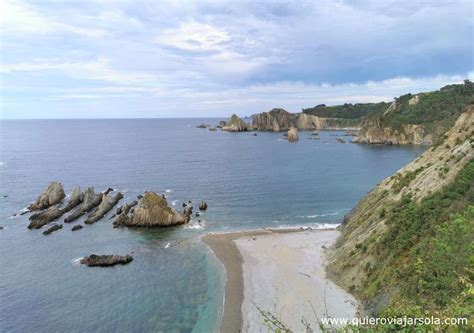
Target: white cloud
193,36
94,70
18,17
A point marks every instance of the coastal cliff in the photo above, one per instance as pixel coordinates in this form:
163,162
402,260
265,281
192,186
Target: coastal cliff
404,248
281,120
417,119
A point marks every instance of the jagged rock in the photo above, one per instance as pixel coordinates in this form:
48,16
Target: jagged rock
236,125
106,260
123,217
202,205
90,201
40,219
1,227
77,227
53,228
139,197
154,211
53,195
202,126
292,135
198,214
340,140
105,206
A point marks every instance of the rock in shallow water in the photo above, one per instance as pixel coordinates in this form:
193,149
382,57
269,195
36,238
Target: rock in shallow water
53,195
292,135
106,260
105,206
202,205
154,212
53,228
77,227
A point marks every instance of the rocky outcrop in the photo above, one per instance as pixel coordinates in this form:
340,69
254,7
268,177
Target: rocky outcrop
106,260
202,205
292,135
278,120
154,211
106,204
374,132
91,200
52,229
77,227
236,125
123,214
40,219
53,195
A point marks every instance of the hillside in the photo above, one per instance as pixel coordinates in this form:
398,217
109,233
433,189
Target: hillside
407,247
357,111
417,119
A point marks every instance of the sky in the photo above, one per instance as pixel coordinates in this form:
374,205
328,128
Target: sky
146,59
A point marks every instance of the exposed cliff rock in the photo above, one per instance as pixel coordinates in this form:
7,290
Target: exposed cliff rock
40,219
372,233
106,260
154,211
53,195
281,120
374,132
106,204
123,214
236,125
292,135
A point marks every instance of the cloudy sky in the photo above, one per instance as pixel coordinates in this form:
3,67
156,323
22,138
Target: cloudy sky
120,59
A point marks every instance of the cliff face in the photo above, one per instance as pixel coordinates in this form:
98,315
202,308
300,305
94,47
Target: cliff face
281,120
236,125
378,255
373,131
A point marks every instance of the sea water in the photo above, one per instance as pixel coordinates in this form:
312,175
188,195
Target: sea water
174,283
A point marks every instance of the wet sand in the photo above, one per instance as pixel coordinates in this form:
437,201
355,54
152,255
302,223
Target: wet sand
283,273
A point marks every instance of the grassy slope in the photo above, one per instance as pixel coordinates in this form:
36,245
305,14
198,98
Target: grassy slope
347,111
406,248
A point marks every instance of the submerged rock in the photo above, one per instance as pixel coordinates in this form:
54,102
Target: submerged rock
202,205
292,135
53,228
106,260
40,219
53,195
105,206
154,212
77,227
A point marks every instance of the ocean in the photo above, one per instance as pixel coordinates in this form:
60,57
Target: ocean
174,284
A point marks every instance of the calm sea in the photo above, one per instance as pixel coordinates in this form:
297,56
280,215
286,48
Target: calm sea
174,283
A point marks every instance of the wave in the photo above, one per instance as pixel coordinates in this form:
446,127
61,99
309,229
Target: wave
76,261
196,225
311,226
323,215
173,203
167,245
168,191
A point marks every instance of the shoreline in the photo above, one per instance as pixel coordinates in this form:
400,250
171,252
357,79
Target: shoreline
241,252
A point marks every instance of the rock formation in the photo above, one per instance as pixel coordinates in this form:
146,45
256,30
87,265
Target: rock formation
90,201
106,204
53,195
236,125
153,211
77,227
53,228
202,205
123,214
40,219
106,260
292,135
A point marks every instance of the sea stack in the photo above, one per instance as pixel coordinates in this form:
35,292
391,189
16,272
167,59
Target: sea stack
53,195
154,212
293,134
236,125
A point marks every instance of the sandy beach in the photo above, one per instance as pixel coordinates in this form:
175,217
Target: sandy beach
279,271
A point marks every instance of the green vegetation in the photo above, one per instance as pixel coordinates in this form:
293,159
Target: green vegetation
348,111
425,258
403,181
434,109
